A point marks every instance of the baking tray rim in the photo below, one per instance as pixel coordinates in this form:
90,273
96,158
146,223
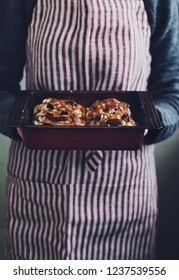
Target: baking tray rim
27,93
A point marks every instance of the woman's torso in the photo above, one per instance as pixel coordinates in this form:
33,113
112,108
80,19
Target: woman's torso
88,45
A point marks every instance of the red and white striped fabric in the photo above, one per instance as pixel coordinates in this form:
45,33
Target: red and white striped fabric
57,209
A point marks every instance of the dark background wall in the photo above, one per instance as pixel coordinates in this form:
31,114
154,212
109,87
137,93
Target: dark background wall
4,144
167,163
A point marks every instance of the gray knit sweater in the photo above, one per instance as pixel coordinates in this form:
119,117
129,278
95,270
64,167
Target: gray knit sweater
15,16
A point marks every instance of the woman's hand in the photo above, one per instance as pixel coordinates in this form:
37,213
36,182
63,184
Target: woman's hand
19,131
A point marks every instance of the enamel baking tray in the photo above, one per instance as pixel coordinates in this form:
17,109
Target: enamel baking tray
84,138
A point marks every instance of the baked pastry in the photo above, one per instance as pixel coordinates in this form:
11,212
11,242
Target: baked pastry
54,111
109,112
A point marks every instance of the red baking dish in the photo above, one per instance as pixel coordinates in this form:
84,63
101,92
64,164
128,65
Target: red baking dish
84,138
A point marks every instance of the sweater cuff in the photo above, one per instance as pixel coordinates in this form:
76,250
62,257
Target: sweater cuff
170,122
6,105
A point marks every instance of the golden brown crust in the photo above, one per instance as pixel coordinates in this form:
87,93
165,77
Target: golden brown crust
109,112
59,112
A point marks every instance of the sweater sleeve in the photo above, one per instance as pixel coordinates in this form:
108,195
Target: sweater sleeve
13,33
164,78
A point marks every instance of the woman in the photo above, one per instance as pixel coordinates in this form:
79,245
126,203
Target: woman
58,207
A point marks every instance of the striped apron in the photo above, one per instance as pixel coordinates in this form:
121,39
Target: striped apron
56,207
